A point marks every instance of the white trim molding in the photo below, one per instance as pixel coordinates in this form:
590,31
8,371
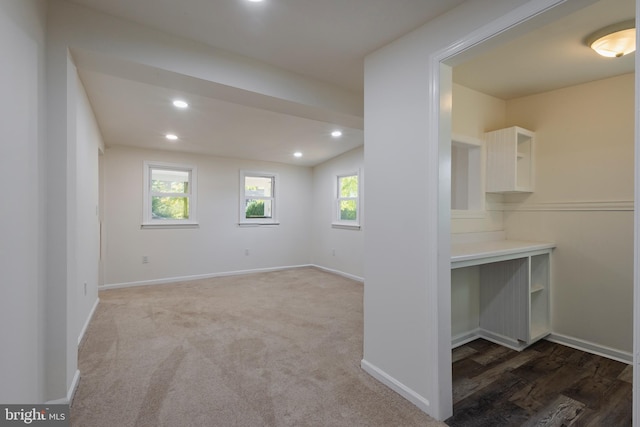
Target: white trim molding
83,331
220,274
464,338
589,347
463,214
339,273
574,206
196,277
578,344
395,385
68,399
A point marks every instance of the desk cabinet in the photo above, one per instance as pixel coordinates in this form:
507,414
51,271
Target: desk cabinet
514,300
514,289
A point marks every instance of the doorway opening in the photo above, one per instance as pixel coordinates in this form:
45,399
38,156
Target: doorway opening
556,204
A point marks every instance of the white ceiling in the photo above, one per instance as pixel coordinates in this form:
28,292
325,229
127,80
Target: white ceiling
140,114
326,40
550,57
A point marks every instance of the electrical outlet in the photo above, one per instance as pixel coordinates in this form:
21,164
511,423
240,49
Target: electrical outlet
333,252
85,288
145,259
246,252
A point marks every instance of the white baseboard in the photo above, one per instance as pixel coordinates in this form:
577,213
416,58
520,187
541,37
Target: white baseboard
502,340
86,323
197,277
396,386
589,347
578,344
70,393
465,337
223,274
339,273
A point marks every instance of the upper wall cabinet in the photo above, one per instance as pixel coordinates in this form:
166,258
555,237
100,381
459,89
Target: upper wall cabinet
510,160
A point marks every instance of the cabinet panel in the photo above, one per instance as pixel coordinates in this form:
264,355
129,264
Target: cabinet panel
540,324
510,160
504,298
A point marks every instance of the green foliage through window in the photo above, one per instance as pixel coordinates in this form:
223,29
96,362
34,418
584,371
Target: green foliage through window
348,198
348,210
170,193
170,207
255,209
349,186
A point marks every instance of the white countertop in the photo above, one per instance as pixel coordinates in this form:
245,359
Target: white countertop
473,253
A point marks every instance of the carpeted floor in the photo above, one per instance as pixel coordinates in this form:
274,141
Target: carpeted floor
271,349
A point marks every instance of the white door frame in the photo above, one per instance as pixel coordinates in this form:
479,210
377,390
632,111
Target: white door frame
440,131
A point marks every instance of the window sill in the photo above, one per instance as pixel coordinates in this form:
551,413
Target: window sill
345,226
257,224
148,226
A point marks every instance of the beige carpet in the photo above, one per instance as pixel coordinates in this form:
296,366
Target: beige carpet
271,349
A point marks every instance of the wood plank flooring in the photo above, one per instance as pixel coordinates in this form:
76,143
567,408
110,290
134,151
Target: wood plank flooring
546,384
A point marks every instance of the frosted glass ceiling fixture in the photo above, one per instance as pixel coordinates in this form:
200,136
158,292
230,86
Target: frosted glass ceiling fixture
615,40
171,137
336,134
178,103
297,154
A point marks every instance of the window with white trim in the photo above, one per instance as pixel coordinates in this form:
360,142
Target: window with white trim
169,195
258,197
347,206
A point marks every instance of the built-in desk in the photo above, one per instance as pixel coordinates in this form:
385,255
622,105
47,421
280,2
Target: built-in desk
514,288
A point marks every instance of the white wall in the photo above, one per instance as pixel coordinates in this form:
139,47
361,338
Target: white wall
110,44
89,145
472,114
407,297
584,202
337,248
22,42
219,244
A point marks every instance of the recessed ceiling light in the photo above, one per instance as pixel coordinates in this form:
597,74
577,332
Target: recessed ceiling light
171,137
255,1
180,103
297,154
336,133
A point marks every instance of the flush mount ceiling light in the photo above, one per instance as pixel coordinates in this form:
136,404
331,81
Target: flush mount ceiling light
171,137
336,133
178,103
297,154
615,40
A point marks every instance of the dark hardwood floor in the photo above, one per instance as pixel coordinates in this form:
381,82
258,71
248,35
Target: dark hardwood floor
546,384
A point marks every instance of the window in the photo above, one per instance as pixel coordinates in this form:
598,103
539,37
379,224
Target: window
169,195
347,210
258,198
